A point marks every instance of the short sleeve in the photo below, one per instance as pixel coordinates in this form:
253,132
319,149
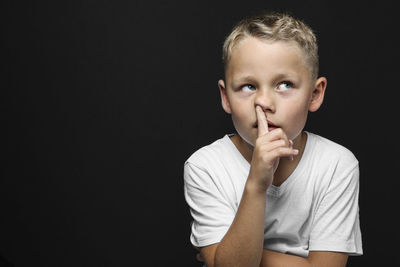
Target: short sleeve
336,225
212,214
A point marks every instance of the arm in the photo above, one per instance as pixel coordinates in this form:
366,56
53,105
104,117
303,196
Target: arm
315,259
242,245
276,259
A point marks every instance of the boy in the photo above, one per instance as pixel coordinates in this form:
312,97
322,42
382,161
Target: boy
273,194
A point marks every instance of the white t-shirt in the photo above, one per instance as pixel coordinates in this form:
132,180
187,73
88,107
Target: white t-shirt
316,208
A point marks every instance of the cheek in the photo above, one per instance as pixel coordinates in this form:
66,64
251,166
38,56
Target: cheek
296,116
240,110
239,117
297,106
242,118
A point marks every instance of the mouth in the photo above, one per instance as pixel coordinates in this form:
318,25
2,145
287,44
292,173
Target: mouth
271,126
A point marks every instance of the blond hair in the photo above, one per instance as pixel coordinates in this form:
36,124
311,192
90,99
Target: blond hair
275,27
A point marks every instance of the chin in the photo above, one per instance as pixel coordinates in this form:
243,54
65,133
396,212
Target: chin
248,139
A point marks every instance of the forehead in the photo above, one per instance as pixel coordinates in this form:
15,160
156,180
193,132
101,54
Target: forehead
252,56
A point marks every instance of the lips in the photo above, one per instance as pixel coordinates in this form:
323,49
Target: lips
271,126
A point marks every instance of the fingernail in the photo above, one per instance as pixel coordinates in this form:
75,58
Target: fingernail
295,151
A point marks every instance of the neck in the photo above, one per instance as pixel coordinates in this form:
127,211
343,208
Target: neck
244,148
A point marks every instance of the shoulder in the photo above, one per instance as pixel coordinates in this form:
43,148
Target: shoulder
206,162
210,154
217,163
331,163
328,152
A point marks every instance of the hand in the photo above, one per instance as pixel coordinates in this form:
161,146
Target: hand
268,149
199,258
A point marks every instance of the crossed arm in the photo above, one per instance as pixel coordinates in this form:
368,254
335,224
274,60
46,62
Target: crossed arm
243,243
275,259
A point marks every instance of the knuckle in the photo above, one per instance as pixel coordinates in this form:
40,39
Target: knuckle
287,142
282,133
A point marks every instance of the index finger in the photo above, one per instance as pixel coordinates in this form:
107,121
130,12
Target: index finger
261,121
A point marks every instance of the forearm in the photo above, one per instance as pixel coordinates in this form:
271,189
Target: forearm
275,259
242,245
315,259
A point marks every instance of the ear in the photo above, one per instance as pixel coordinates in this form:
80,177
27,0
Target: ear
224,97
318,93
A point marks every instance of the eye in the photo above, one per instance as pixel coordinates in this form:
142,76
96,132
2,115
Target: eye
284,86
248,88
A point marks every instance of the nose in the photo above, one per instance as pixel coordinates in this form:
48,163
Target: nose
265,99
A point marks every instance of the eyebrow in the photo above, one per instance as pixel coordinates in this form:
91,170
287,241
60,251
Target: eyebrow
283,76
247,78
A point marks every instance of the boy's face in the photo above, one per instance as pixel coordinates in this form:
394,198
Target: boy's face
273,75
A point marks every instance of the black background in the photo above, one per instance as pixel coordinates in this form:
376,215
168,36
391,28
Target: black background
103,101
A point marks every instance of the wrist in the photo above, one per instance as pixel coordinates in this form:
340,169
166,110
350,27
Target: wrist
254,186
